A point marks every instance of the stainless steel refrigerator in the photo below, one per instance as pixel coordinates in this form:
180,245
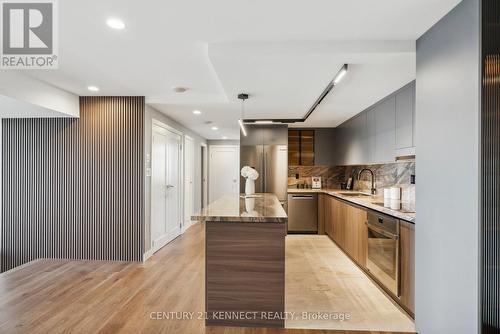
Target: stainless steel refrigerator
265,148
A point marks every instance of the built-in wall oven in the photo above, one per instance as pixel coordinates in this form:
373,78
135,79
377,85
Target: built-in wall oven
383,250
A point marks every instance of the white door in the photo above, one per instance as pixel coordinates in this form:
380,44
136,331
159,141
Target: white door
204,176
165,186
174,184
224,165
158,188
188,180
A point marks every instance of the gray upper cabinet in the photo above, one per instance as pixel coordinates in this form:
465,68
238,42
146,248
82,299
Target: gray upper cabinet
325,147
381,133
359,142
354,140
405,121
340,152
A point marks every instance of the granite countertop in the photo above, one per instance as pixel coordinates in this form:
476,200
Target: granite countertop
405,212
259,208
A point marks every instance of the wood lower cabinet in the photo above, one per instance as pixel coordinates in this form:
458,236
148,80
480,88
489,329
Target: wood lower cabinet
356,234
345,224
321,213
327,203
339,217
407,253
329,210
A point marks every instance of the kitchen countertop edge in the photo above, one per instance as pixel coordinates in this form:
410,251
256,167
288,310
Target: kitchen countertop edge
410,218
228,209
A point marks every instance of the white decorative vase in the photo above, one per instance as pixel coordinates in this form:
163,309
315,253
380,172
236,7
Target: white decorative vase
249,187
249,205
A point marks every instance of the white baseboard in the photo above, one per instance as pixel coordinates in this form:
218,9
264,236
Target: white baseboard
148,254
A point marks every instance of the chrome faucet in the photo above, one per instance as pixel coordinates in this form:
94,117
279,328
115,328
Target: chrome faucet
373,190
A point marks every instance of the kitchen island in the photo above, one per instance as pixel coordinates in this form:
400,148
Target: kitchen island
244,261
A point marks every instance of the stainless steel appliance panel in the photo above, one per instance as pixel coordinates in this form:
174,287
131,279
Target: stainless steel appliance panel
383,250
275,134
303,213
276,170
253,156
265,148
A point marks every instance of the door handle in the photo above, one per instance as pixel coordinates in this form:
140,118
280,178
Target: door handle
381,231
302,196
170,186
265,172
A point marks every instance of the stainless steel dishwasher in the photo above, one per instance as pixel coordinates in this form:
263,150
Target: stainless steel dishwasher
303,213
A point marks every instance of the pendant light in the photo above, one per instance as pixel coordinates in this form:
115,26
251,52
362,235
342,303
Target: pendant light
242,97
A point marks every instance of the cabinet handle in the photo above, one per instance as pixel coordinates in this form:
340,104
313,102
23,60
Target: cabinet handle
380,231
302,196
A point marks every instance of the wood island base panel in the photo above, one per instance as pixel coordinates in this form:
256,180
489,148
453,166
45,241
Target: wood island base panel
245,274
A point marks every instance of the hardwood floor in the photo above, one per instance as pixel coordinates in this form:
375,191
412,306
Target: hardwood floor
63,296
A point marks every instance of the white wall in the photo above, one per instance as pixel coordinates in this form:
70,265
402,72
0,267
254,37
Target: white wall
1,185
23,88
150,114
447,198
223,142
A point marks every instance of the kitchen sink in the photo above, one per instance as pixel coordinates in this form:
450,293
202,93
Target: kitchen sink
354,194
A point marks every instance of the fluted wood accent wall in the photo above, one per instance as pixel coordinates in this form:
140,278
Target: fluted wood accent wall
73,188
490,173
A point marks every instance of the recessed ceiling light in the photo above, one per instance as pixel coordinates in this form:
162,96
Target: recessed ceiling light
115,23
196,112
215,128
93,88
179,89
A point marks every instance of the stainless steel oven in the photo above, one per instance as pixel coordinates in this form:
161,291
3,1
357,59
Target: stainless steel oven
383,250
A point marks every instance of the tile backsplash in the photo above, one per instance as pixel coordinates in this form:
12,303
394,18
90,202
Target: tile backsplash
397,174
331,177
386,175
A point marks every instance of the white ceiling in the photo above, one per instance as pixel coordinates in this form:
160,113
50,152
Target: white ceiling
282,52
14,108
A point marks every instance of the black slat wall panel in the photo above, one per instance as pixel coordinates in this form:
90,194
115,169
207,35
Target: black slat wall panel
73,188
490,173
